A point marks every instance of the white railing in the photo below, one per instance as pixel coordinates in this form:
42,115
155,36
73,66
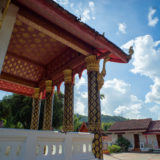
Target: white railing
18,144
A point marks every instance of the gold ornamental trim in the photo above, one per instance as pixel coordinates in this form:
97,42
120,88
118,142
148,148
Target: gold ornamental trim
68,75
36,93
48,85
92,63
94,126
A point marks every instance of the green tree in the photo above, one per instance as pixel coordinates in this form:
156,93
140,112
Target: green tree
16,110
106,126
102,96
77,122
58,111
123,143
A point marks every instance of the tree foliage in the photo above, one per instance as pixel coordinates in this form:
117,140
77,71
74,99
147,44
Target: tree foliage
16,110
58,111
114,148
77,123
104,118
106,126
123,143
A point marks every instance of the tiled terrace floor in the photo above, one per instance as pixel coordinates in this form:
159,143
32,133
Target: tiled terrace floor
133,156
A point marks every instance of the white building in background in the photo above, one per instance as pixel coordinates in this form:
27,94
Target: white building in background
143,134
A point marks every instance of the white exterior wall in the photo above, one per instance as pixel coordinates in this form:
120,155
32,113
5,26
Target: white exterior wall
152,141
114,137
144,145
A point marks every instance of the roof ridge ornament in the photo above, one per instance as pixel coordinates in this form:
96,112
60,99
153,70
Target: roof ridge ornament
131,51
3,10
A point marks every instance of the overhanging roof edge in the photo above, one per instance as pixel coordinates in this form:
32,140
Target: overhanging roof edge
55,9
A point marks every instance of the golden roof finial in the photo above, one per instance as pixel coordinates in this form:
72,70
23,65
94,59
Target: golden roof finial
131,51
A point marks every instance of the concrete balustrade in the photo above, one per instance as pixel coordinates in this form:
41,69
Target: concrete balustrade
19,144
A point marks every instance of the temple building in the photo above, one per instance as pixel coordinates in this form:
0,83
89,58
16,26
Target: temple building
43,45
143,134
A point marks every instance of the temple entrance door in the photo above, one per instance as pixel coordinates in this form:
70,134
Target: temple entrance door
136,141
158,140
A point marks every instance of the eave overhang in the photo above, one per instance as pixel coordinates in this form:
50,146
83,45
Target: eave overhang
74,39
126,131
67,21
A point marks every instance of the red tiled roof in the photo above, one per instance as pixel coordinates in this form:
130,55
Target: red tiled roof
139,124
154,126
84,127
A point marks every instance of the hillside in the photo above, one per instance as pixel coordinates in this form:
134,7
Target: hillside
105,118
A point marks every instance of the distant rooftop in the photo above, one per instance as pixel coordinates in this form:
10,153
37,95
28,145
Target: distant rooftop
129,125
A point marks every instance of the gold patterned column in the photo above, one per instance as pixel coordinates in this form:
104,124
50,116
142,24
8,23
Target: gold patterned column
48,108
35,109
68,101
94,111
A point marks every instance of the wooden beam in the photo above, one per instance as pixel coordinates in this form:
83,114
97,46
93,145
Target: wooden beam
57,75
11,78
16,88
53,31
70,65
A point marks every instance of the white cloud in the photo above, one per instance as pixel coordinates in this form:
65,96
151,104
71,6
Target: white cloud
117,85
80,83
81,94
130,111
128,45
155,111
85,15
84,94
91,5
154,94
146,60
62,2
72,5
119,100
83,11
152,21
122,28
80,107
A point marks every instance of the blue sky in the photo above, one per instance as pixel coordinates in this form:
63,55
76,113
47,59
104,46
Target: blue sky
131,90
